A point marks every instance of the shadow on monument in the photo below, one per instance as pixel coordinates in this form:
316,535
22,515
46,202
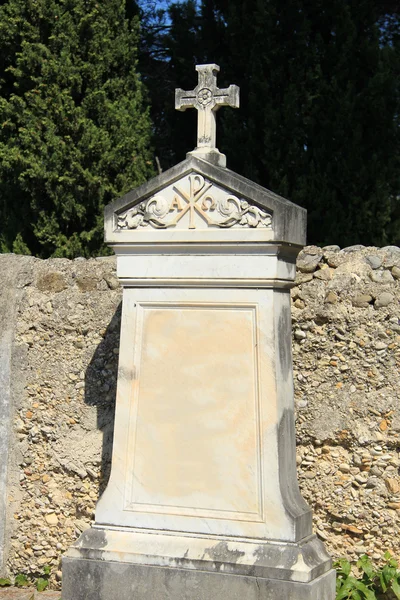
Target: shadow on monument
100,391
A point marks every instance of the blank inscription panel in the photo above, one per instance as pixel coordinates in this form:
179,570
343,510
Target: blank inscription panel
194,434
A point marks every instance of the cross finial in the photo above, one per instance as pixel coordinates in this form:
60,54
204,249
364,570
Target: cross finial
207,98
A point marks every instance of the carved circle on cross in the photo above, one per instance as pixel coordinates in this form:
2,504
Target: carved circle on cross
204,96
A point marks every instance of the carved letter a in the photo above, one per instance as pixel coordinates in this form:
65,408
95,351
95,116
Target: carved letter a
175,204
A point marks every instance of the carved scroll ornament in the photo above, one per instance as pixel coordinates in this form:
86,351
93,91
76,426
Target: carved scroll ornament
201,201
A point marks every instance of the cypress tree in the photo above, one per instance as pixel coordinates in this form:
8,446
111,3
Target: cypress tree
75,128
169,53
320,112
319,115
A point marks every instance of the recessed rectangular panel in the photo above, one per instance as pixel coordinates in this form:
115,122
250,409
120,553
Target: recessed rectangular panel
195,425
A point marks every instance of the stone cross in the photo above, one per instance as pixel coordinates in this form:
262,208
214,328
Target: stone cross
207,98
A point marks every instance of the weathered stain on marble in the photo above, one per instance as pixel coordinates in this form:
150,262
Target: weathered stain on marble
98,538
224,553
239,556
283,333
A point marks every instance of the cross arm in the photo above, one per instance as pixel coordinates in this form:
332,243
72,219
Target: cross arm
228,96
184,100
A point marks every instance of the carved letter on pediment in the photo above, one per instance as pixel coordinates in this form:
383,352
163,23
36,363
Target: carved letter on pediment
194,203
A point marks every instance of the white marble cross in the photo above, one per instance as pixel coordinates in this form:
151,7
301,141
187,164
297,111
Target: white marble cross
207,99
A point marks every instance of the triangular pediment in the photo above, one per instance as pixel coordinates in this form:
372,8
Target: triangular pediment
197,201
194,202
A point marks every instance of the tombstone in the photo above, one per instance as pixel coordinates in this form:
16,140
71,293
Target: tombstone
203,501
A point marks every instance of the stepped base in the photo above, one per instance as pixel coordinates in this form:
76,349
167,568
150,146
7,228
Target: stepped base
109,564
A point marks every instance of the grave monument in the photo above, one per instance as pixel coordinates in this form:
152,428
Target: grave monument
203,501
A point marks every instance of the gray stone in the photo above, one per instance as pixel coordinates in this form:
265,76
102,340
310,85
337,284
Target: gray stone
323,274
361,300
374,261
391,249
332,248
391,256
381,277
307,263
303,277
354,248
384,299
396,272
380,346
299,334
112,282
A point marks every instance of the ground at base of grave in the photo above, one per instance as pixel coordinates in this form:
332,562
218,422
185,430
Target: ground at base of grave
27,594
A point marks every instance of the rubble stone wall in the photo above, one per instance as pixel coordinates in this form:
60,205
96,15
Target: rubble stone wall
346,342
346,349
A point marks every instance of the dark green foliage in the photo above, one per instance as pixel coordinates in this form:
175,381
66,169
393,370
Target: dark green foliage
74,126
319,116
373,583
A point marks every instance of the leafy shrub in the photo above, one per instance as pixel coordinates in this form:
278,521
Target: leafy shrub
382,583
43,582
22,580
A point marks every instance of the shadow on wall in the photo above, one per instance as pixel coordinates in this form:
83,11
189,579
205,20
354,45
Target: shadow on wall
100,391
